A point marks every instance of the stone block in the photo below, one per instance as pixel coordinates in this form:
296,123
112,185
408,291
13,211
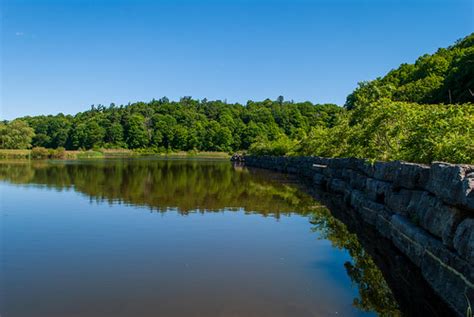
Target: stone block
338,163
321,160
464,240
370,211
319,180
386,171
447,282
333,172
383,224
454,184
357,198
357,180
411,175
437,218
408,238
377,190
398,201
365,167
346,174
337,186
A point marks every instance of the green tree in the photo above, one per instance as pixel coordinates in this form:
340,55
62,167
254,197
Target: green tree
16,134
137,133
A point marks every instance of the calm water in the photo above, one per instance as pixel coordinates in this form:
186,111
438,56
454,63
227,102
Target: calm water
175,238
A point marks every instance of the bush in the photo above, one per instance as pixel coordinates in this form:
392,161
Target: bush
89,154
281,146
39,153
59,153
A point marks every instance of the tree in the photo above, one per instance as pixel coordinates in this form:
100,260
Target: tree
16,134
137,134
114,134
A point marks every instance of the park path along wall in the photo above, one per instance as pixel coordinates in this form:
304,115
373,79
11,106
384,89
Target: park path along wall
427,211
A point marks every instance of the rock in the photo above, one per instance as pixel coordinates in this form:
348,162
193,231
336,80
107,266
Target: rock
467,191
454,184
377,190
439,219
386,171
383,224
399,201
411,176
357,198
337,186
464,240
338,163
447,283
333,172
319,180
320,160
357,180
365,167
370,210
408,238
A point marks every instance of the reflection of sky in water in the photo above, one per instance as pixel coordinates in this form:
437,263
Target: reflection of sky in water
63,254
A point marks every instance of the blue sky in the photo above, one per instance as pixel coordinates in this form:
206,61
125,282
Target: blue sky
63,56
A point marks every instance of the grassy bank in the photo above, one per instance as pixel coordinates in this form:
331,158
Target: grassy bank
60,154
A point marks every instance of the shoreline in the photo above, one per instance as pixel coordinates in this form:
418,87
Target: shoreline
54,154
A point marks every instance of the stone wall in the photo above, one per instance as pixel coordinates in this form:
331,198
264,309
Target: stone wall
427,211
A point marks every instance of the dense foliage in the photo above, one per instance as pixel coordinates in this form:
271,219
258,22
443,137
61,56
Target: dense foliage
447,76
15,135
397,131
185,125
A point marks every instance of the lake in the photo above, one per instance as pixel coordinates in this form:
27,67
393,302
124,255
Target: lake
152,237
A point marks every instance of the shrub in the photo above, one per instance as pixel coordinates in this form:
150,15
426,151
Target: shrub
59,153
39,153
281,146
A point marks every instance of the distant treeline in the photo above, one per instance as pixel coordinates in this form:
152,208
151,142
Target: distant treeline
418,112
187,124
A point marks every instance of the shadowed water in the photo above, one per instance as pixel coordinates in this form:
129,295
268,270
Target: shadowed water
176,238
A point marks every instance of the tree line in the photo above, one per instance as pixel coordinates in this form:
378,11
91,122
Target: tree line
187,124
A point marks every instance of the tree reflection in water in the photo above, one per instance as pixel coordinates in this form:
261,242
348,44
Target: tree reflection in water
374,292
208,186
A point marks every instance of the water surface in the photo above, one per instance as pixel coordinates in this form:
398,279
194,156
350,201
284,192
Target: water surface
175,238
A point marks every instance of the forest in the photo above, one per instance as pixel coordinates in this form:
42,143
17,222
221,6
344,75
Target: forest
188,124
418,112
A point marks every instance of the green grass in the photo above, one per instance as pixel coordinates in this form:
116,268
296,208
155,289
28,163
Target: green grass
14,154
114,153
89,154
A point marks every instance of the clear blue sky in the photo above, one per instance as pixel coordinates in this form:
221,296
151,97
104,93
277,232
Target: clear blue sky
63,56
